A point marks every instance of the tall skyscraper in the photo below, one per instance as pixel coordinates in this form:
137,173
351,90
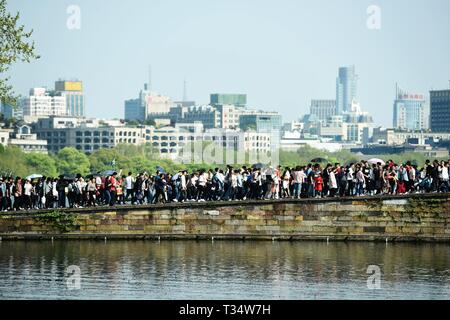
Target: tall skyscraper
410,111
440,110
323,109
346,89
73,92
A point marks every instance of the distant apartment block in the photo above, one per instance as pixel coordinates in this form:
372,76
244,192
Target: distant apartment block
41,103
86,135
238,100
171,142
399,137
22,137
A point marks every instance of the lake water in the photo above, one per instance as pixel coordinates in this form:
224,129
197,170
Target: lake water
223,270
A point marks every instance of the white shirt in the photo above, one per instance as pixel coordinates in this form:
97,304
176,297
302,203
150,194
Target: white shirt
202,180
333,182
27,189
183,181
445,173
129,182
234,181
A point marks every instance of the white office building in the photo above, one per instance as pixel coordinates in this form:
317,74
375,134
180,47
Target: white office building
41,103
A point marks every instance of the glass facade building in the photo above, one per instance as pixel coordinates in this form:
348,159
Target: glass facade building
410,111
263,123
73,92
239,100
135,109
440,111
346,89
323,109
10,112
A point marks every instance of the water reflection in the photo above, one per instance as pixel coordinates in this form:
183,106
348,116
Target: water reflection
223,270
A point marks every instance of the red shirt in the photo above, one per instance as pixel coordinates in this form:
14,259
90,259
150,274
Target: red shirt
112,183
318,183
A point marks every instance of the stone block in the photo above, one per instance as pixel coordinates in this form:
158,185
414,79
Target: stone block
136,227
161,222
408,230
372,229
211,212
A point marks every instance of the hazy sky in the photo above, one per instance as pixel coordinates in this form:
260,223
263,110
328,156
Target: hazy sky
282,53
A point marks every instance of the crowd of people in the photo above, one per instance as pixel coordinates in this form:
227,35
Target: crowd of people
227,184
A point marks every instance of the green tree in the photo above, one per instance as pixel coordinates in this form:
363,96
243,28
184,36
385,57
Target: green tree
42,164
14,46
71,161
12,162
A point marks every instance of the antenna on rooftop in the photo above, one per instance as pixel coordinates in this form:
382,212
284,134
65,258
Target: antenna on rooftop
185,90
149,78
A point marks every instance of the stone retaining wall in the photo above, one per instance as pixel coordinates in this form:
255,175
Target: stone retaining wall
394,218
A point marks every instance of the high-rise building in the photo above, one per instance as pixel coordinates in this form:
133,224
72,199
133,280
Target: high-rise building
73,92
156,103
238,100
263,122
410,111
148,104
208,115
229,115
440,110
346,89
135,108
41,103
323,109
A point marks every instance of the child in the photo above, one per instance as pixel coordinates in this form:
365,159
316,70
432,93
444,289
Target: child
318,185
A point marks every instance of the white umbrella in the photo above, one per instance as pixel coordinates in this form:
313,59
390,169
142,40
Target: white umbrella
34,176
376,160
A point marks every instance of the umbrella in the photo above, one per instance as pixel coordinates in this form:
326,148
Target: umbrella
258,166
160,169
175,177
319,160
375,161
108,172
93,175
34,176
67,177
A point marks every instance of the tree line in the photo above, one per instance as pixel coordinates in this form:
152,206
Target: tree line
70,161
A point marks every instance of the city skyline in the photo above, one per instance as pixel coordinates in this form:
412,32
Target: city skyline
296,67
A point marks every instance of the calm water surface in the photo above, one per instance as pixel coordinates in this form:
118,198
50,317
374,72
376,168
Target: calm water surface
222,270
